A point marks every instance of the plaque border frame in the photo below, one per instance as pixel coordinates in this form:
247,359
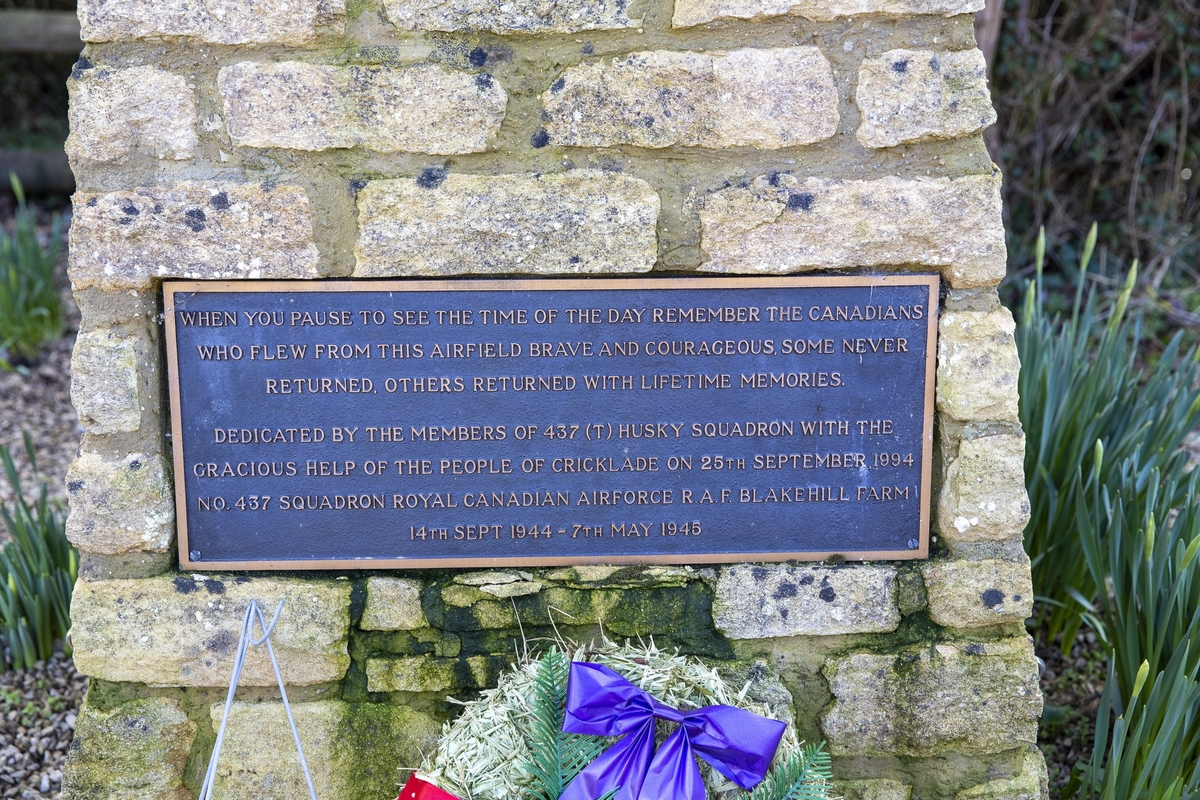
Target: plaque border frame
170,287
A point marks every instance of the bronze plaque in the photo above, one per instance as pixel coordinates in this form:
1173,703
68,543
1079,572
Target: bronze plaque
386,424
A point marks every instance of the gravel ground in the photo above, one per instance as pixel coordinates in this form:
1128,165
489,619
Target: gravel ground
38,720
38,706
1071,686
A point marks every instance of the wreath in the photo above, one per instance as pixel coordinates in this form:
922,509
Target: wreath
618,722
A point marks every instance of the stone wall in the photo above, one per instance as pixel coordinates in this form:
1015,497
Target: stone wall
375,138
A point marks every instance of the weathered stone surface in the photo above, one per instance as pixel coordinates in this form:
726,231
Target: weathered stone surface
769,98
354,750
393,604
877,789
1031,784
519,589
581,221
120,506
972,699
184,632
517,16
419,109
969,594
104,381
978,366
215,21
202,230
764,601
138,564
115,112
922,95
780,224
983,497
697,12
425,674
136,751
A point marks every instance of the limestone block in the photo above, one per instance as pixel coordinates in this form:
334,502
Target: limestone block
978,366
969,594
764,601
104,382
922,95
698,12
874,789
972,699
426,674
769,98
214,21
780,224
1031,784
517,16
115,112
354,750
419,109
184,632
582,221
121,506
136,751
983,497
191,229
138,564
393,604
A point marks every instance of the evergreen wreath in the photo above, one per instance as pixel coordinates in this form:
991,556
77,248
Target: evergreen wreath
509,744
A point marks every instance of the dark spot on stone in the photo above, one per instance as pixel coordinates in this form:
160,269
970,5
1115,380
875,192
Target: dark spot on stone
357,185
800,201
587,49
157,208
184,585
806,580
786,589
214,587
558,85
91,203
759,573
219,201
431,178
130,209
900,66
477,57
954,105
220,642
81,66
647,121
120,601
576,259
74,486
135,465
1016,598
196,219
783,612
483,81
773,178
975,649
934,64
268,186
540,138
992,598
75,745
137,725
757,672
828,594
240,579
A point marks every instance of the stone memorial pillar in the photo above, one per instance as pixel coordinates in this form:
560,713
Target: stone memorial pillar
319,139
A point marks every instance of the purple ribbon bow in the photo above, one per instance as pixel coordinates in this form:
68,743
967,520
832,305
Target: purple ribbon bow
738,744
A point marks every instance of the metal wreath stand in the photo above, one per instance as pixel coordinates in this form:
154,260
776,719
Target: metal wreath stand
247,641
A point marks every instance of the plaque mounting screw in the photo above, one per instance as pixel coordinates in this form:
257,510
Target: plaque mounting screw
913,544
194,555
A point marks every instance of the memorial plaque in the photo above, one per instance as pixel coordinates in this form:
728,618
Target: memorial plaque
396,424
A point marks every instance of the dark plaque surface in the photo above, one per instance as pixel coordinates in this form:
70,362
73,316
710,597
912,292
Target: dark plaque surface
466,423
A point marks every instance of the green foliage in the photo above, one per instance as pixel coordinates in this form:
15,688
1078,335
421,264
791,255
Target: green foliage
802,775
556,757
37,572
1081,383
30,306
